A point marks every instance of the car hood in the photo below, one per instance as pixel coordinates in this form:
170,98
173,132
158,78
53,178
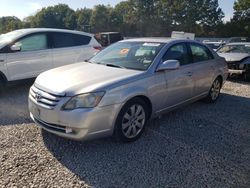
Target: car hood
3,44
81,78
234,56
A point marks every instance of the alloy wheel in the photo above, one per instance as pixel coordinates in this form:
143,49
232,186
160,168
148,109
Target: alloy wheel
215,90
133,121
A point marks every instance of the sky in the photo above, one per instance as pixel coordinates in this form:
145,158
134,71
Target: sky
22,9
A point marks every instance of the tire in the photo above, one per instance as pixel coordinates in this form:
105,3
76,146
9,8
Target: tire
247,75
131,120
1,85
214,92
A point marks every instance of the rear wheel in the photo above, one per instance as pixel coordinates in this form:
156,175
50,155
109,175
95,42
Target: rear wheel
214,92
131,120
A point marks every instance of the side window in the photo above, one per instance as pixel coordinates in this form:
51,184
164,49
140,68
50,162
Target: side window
200,53
63,40
178,52
32,43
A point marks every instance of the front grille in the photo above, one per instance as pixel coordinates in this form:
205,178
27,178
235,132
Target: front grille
44,99
235,65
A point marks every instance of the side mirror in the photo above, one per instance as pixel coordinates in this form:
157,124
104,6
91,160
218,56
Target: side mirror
168,65
15,48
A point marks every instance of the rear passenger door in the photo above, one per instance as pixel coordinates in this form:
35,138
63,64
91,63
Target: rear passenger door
203,68
70,48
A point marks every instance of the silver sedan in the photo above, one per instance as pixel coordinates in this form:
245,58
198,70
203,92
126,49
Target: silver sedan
122,87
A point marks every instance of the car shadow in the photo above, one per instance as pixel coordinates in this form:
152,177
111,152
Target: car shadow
14,104
195,146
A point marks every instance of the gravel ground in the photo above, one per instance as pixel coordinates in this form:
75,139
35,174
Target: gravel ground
201,145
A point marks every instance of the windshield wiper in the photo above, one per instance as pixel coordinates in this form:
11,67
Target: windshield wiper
113,65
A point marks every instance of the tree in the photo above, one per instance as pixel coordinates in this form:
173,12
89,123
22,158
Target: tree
122,18
241,17
199,16
83,19
9,23
100,18
242,10
59,16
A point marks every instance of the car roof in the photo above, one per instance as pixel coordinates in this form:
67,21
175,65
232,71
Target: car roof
107,33
239,43
212,42
156,39
34,30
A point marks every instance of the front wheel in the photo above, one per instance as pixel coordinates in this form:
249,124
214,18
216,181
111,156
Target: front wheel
131,120
1,85
214,92
247,75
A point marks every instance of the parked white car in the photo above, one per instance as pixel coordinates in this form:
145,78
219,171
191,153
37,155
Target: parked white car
26,53
213,45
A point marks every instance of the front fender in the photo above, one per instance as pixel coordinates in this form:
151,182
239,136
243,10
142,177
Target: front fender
122,94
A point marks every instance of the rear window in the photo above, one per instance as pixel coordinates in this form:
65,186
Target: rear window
200,53
63,40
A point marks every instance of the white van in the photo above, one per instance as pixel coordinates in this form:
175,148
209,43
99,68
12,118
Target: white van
26,53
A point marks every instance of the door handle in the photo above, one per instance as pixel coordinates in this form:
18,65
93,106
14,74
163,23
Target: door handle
43,55
189,74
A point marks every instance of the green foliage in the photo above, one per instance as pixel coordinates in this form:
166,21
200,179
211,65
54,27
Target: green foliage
241,19
83,19
242,10
141,18
59,16
9,24
100,18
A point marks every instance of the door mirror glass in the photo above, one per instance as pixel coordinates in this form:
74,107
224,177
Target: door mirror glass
169,65
16,47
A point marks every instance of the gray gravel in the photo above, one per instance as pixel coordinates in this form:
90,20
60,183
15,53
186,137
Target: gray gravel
201,145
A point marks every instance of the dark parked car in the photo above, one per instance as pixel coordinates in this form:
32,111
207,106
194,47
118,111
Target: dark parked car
108,38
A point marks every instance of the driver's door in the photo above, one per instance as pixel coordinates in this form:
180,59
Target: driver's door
179,83
32,58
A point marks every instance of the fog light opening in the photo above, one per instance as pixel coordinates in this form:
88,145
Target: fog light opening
68,130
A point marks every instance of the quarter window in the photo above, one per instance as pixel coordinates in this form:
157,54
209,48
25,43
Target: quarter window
32,43
200,53
63,40
178,52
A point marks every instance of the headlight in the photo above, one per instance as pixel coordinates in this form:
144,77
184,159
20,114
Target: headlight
89,100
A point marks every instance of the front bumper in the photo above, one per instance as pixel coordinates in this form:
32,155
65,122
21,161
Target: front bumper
235,68
234,71
80,124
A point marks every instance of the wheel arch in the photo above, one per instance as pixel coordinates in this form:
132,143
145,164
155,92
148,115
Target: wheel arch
3,77
220,78
145,99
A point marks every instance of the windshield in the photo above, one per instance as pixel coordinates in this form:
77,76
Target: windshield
213,45
129,55
235,49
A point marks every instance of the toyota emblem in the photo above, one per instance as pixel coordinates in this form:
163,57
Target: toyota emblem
38,97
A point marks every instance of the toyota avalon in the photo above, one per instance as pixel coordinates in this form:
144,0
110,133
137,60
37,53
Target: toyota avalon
121,88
